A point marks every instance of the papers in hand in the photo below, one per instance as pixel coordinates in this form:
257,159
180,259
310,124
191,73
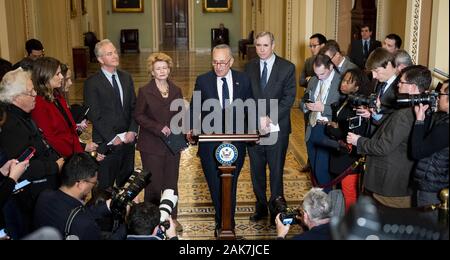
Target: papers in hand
121,136
271,129
274,128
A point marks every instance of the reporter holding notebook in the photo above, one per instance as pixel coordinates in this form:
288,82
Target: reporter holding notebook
153,115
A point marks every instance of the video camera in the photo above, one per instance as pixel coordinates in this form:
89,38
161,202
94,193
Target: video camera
288,216
122,197
168,203
361,100
405,100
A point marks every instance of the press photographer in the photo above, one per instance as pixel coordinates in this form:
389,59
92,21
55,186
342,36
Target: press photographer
315,216
344,120
382,65
144,224
123,197
389,165
430,147
65,209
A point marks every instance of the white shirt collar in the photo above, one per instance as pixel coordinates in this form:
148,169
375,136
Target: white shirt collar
229,77
269,61
109,74
391,80
327,82
341,64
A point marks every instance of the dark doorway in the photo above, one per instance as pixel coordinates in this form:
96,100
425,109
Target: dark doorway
175,24
364,13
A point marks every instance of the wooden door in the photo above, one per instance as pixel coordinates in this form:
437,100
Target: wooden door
175,24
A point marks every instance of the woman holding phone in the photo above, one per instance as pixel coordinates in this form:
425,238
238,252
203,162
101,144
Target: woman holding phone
51,113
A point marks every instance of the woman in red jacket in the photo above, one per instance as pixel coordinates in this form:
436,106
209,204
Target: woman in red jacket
51,113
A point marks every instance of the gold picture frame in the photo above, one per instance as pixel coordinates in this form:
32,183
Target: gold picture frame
128,6
217,6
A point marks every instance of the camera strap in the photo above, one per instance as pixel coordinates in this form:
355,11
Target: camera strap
69,221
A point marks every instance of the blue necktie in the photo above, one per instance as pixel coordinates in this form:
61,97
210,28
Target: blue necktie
116,89
225,93
382,87
263,82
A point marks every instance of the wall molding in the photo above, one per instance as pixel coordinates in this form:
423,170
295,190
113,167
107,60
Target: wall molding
336,19
380,19
414,34
289,13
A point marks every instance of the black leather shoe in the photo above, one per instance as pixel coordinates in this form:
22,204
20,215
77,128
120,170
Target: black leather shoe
257,216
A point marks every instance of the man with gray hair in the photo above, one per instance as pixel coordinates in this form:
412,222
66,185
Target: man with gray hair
316,213
18,134
402,60
111,98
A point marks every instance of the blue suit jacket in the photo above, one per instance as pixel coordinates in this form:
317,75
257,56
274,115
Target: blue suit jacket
206,84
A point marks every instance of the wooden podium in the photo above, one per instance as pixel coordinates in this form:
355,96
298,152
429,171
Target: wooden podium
227,156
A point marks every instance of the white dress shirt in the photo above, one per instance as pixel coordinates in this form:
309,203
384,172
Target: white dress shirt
270,62
326,91
229,78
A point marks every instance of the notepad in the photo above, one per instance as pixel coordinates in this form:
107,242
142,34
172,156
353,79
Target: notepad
175,143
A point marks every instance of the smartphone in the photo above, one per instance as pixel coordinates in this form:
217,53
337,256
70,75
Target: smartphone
308,97
27,154
84,115
21,185
354,122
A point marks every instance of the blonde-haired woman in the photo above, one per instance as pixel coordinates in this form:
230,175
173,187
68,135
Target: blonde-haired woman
153,114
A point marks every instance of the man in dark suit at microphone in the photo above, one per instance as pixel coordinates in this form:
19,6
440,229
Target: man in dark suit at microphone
221,88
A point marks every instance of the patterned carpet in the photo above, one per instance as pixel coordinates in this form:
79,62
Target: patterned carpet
196,212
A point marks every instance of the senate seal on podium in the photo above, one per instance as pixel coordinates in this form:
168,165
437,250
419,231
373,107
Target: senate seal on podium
227,154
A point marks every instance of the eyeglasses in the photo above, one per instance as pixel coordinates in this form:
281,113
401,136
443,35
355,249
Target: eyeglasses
312,46
218,64
31,93
405,83
442,94
95,183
